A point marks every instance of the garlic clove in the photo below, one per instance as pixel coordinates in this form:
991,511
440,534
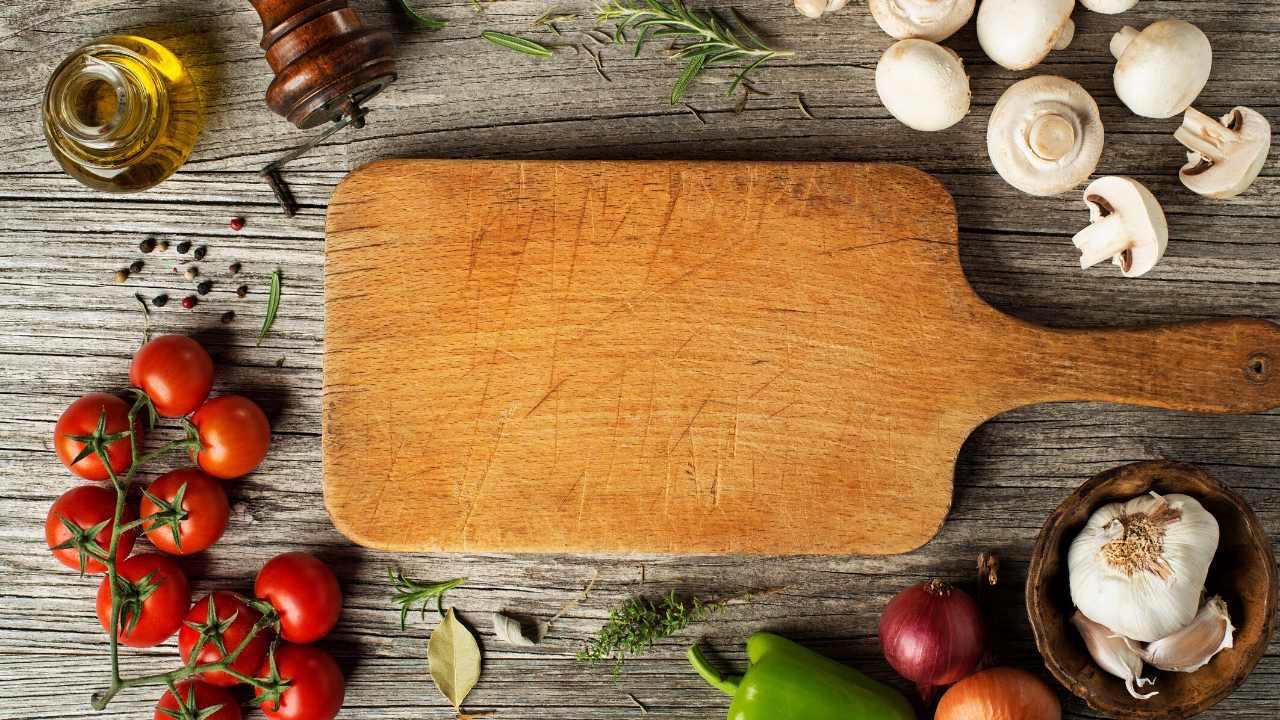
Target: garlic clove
1192,647
1113,654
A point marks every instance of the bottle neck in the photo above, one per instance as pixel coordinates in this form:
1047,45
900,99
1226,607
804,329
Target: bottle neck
98,104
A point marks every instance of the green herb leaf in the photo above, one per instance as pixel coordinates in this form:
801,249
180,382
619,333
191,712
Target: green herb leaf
519,44
454,659
273,304
708,40
146,318
635,626
429,23
410,592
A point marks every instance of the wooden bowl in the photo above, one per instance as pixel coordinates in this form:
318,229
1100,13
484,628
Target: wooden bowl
1243,573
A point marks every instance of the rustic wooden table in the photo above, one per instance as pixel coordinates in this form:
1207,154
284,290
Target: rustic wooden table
66,328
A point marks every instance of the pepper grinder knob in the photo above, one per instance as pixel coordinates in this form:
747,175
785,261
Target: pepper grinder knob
326,61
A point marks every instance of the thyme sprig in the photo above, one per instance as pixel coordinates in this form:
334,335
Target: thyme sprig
638,623
704,39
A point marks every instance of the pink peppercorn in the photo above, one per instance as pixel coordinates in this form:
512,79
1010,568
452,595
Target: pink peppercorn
189,302
237,223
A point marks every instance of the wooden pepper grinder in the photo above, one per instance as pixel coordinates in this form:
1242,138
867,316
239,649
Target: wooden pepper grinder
327,63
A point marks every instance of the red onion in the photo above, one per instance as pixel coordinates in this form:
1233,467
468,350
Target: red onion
932,634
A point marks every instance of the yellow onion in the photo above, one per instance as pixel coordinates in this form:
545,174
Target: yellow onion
999,693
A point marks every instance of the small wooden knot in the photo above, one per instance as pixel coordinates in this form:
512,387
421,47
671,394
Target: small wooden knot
1257,368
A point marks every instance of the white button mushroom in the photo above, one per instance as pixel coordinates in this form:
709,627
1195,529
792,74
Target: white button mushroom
923,84
1018,34
1109,7
1223,158
1160,71
1126,224
934,20
816,8
1045,135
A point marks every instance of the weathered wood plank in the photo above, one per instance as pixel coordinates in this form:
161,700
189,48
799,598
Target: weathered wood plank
66,328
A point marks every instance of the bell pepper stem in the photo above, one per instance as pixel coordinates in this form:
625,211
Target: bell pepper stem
726,685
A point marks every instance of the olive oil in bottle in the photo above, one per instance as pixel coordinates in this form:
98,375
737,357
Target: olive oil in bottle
121,113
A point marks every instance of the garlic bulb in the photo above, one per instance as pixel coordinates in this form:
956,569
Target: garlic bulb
1192,647
817,8
1113,654
1139,567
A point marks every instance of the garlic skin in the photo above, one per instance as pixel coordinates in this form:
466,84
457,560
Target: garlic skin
1192,647
1113,654
1139,567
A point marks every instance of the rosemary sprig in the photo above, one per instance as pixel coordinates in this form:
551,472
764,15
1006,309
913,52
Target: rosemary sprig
425,21
410,592
519,44
708,40
273,306
639,623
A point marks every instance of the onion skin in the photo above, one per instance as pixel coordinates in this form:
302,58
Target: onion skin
932,634
999,693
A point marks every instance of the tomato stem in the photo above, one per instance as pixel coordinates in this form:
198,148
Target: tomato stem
121,483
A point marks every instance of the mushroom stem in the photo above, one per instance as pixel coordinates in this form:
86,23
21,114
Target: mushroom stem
1100,240
1051,137
1202,134
1120,41
1065,35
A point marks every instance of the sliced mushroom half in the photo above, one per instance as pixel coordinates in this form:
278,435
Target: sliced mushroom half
1045,135
1160,71
1126,225
1223,158
934,20
1018,34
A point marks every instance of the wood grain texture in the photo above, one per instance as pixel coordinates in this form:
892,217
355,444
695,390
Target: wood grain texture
65,329
690,357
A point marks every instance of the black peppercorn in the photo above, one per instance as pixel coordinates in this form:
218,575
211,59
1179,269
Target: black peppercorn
135,266
147,245
204,287
242,291
234,268
200,252
184,246
160,300
228,316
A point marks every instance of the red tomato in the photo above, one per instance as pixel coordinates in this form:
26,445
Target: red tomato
234,435
316,688
81,418
86,506
194,696
175,372
225,605
304,593
200,521
163,601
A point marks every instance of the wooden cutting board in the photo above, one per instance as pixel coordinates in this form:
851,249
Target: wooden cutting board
689,357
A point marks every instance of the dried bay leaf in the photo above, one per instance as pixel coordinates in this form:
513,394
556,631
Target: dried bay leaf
510,631
453,657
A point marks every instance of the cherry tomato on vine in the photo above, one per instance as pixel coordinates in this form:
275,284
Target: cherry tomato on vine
71,518
197,521
315,689
81,418
192,698
175,372
228,625
304,593
234,435
154,597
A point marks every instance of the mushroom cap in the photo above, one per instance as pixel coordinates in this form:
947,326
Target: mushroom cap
923,84
1245,150
1018,34
1037,119
1109,7
1162,69
934,20
1144,223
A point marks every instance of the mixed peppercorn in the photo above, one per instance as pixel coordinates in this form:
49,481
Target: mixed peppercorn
204,285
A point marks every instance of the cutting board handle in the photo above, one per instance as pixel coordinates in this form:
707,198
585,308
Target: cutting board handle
1214,366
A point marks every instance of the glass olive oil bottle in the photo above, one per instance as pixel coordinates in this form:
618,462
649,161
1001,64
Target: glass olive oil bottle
121,113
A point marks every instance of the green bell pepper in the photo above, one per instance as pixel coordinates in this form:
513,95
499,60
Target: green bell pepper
789,682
